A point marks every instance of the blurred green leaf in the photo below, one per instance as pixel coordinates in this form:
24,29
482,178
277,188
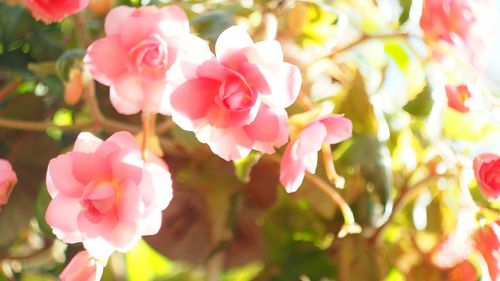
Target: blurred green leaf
68,60
405,14
422,104
15,22
357,107
144,263
243,167
211,24
42,202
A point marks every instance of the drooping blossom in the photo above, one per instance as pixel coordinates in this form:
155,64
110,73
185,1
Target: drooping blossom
105,195
458,97
488,244
468,25
301,154
237,100
146,53
487,171
8,179
82,268
50,11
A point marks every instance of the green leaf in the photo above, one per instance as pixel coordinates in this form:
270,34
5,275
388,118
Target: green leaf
373,159
41,203
243,167
15,22
357,107
144,263
211,24
406,6
422,104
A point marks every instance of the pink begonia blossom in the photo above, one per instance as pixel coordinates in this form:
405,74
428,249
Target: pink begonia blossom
82,268
468,25
105,195
237,100
50,11
301,154
487,171
488,244
146,53
8,179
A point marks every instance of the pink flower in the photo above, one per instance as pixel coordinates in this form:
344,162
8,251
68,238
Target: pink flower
237,101
105,195
469,25
487,171
8,179
82,268
146,53
488,244
301,154
458,97
50,11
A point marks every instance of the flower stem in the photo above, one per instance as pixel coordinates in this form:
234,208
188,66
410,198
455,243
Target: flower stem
331,173
148,119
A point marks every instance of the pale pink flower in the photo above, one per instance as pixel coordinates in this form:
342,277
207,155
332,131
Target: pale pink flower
468,25
105,195
50,11
487,171
82,268
146,53
301,154
8,179
237,101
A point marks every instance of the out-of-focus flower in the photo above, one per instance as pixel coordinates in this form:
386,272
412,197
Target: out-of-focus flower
487,171
146,53
468,25
105,195
237,101
464,271
488,244
82,268
8,179
73,88
458,97
101,7
50,11
301,154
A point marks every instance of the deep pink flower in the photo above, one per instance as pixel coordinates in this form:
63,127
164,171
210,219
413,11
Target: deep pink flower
301,154
82,268
8,179
146,53
105,195
469,25
237,101
50,11
458,97
488,244
487,171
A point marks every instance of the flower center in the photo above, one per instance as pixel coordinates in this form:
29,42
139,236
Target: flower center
99,199
235,95
150,56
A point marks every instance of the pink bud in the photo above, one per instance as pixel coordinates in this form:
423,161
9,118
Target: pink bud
458,97
487,171
8,179
82,268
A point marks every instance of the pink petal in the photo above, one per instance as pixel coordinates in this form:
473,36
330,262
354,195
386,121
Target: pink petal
193,98
127,94
312,138
116,18
106,59
338,128
98,248
219,117
96,229
60,177
292,170
65,225
156,186
128,206
174,20
158,98
89,167
229,144
286,85
255,78
82,268
123,236
118,141
125,166
86,142
232,39
266,53
151,224
213,69
265,127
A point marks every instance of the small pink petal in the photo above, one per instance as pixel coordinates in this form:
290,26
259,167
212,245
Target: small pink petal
265,127
106,59
86,142
338,129
116,18
60,177
193,98
232,39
